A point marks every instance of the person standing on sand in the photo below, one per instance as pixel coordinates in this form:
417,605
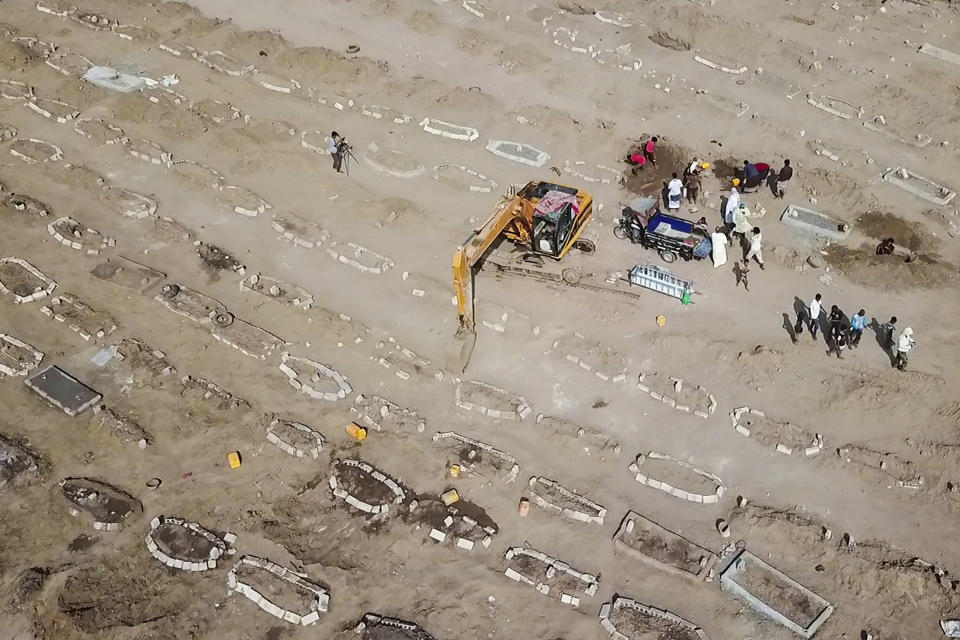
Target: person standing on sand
650,151
889,329
905,343
733,201
692,185
674,191
857,324
756,251
333,146
719,241
838,332
783,178
813,319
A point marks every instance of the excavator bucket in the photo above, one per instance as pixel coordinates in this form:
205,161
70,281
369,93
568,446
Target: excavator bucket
460,349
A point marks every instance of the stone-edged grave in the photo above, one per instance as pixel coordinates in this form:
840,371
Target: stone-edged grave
277,290
627,619
603,362
295,438
20,465
88,323
35,151
127,274
373,626
518,152
283,593
299,231
491,401
30,207
919,186
553,497
661,548
128,203
477,457
783,437
185,545
549,576
815,223
23,281
62,390
17,358
375,412
314,379
590,438
461,525
364,487
123,426
107,507
75,235
661,471
774,594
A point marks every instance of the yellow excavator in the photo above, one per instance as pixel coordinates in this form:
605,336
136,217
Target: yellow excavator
544,221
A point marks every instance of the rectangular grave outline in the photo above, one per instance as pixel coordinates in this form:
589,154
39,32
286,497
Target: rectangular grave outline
893,177
728,583
788,219
649,525
72,412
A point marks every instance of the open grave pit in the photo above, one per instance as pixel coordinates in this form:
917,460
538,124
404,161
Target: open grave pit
191,304
181,544
148,365
127,274
81,318
278,290
627,619
661,548
281,592
123,426
23,281
491,401
99,132
17,357
20,465
56,110
299,231
75,235
128,203
34,151
603,362
553,497
590,439
216,259
678,478
295,438
678,394
109,508
380,414
27,206
376,627
478,458
462,525
549,576
890,467
784,437
314,379
364,487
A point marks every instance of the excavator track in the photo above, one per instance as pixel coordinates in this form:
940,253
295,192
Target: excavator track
495,267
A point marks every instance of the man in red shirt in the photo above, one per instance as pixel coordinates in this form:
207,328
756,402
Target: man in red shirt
650,150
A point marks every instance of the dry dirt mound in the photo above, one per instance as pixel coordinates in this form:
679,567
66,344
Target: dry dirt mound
891,273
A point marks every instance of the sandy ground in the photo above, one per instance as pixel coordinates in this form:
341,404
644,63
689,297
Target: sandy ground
503,74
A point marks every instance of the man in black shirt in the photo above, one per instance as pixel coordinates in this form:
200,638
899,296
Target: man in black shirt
783,178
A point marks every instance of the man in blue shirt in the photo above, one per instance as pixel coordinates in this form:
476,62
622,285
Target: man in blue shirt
857,324
750,170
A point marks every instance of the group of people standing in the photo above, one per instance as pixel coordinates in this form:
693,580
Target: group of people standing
843,333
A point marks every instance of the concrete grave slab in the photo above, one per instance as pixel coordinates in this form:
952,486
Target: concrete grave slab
127,274
375,412
34,151
661,548
29,207
392,162
299,231
358,257
20,465
314,379
463,178
364,487
69,63
113,80
74,235
549,576
99,132
62,390
105,506
242,201
477,457
662,472
814,222
919,186
15,90
185,545
449,130
518,152
378,627
627,619
17,358
253,577
23,281
553,497
775,595
589,439
939,54
295,438
277,290
87,322
491,401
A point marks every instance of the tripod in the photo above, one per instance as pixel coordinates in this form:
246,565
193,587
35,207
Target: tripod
346,153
